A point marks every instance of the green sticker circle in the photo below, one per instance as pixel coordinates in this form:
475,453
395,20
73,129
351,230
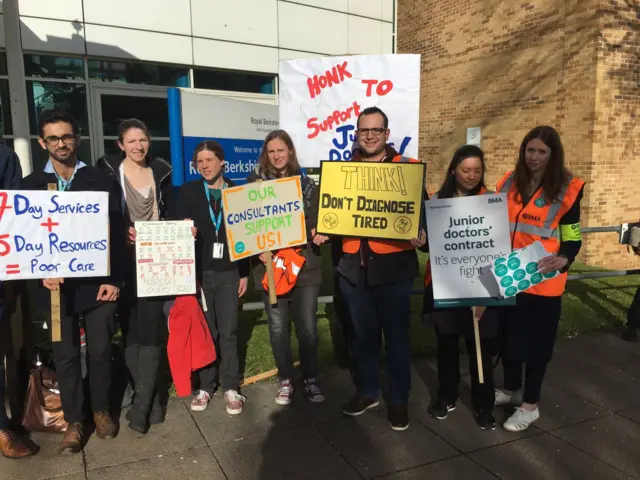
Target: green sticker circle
532,267
239,247
512,254
540,202
506,281
524,284
511,291
499,260
536,278
513,263
501,270
519,274
550,274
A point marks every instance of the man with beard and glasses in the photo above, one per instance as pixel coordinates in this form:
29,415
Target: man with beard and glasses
94,298
376,278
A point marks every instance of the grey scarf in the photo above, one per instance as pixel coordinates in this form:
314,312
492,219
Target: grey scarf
140,209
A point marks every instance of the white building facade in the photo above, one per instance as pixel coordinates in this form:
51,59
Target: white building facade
104,61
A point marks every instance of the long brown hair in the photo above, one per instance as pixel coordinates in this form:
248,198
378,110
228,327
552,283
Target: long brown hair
555,174
292,168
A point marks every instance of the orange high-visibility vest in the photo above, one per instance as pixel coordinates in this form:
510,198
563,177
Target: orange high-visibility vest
539,221
382,247
427,266
287,264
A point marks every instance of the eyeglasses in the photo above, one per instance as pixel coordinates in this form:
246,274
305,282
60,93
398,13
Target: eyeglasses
67,139
376,132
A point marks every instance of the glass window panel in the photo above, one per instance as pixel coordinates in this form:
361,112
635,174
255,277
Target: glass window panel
6,125
159,148
153,111
234,81
53,67
138,73
70,97
41,156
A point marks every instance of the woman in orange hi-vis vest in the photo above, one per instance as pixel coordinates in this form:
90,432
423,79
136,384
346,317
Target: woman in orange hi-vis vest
278,159
465,177
544,206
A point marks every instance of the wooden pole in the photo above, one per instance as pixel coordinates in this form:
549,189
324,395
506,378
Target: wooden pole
55,300
273,298
476,334
263,376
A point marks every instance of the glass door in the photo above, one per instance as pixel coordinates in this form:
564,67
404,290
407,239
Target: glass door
111,104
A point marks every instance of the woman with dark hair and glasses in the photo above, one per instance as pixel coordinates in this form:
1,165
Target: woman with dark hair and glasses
465,177
222,280
544,206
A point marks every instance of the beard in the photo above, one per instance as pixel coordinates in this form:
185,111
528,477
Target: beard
68,158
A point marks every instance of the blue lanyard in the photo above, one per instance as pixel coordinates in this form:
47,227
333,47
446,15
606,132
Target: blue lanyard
216,221
62,185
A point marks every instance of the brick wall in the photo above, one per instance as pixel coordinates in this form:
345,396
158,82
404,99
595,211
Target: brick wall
508,66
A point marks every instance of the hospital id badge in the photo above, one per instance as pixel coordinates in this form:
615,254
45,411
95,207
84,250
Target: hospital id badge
218,250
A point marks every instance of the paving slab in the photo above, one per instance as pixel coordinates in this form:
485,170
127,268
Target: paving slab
559,408
613,439
45,464
260,414
177,434
199,463
452,469
593,350
626,371
633,414
75,476
461,430
600,388
337,388
543,457
369,445
282,454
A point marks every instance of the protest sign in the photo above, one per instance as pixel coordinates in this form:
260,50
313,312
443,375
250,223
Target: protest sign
51,234
466,235
519,271
264,216
165,258
321,99
376,200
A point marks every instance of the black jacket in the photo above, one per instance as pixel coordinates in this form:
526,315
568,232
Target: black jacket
311,273
79,294
381,269
10,169
192,204
161,174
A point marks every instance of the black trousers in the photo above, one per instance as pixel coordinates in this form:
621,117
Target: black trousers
221,295
633,315
534,375
99,328
143,321
482,394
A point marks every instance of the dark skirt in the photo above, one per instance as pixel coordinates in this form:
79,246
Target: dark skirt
531,327
459,320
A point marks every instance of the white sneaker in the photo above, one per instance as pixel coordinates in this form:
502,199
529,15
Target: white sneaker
234,402
511,398
285,393
200,402
521,419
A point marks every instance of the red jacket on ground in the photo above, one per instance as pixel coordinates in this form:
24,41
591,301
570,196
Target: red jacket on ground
190,345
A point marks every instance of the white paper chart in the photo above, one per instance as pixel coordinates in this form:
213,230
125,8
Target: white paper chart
165,258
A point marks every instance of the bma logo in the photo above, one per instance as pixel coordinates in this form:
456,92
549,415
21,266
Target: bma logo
527,216
495,200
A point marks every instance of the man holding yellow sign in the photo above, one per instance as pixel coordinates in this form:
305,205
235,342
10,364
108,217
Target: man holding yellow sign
375,200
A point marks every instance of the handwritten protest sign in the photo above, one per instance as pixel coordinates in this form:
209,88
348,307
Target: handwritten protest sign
378,200
466,235
165,257
264,216
51,234
321,99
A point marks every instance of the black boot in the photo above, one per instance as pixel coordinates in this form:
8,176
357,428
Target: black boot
149,359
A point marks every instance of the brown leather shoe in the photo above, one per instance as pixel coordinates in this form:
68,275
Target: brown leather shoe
105,427
72,440
12,447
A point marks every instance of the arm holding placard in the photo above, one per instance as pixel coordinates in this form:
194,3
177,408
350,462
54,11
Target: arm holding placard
109,291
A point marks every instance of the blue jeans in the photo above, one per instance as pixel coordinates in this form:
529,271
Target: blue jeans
4,419
375,310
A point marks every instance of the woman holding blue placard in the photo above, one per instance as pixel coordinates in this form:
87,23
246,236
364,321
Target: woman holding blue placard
544,206
222,281
278,160
465,177
147,195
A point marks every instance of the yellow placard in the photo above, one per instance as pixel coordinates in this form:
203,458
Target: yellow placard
376,200
264,216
